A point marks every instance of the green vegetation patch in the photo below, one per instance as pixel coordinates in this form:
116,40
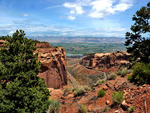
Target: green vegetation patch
117,97
82,108
112,76
101,93
78,91
87,48
141,73
54,107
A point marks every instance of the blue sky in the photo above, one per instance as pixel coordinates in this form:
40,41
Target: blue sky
101,18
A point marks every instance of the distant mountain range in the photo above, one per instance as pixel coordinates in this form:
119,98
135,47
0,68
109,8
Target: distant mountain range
56,39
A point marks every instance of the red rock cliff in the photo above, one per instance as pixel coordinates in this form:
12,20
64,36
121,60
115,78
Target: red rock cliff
105,60
53,65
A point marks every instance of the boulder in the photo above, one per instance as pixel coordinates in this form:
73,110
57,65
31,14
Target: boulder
117,111
124,105
107,102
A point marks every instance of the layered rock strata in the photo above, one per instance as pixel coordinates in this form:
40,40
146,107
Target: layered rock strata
105,60
53,65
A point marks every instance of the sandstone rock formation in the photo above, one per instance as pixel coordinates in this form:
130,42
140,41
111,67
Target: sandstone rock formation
43,45
105,60
53,65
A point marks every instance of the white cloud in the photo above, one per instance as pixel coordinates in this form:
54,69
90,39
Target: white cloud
26,15
102,8
71,17
76,8
98,8
100,5
121,7
72,12
11,32
64,33
96,14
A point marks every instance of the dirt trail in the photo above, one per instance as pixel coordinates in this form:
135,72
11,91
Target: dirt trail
72,80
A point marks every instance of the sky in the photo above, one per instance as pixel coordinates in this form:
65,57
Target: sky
97,18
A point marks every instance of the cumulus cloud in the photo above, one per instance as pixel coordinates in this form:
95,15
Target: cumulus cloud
75,8
71,17
102,8
98,8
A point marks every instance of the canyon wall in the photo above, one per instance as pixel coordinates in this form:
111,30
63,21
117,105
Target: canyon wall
53,65
105,60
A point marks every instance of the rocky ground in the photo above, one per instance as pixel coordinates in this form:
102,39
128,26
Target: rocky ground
139,97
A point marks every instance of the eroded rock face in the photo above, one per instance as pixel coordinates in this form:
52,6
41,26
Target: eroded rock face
105,60
43,45
53,65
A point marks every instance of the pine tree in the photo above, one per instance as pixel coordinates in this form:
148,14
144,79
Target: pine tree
21,91
139,45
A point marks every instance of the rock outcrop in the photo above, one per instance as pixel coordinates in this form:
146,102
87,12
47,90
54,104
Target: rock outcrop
105,60
43,45
53,65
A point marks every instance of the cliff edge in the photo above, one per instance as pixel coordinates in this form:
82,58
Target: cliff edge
105,60
53,65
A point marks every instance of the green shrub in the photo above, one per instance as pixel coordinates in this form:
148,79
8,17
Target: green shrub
99,82
74,89
129,77
101,93
117,97
112,76
107,109
67,89
141,73
103,81
87,88
124,72
118,72
131,109
82,108
130,71
54,106
79,91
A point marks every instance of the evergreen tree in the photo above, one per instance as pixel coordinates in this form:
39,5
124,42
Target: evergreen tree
139,45
21,91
